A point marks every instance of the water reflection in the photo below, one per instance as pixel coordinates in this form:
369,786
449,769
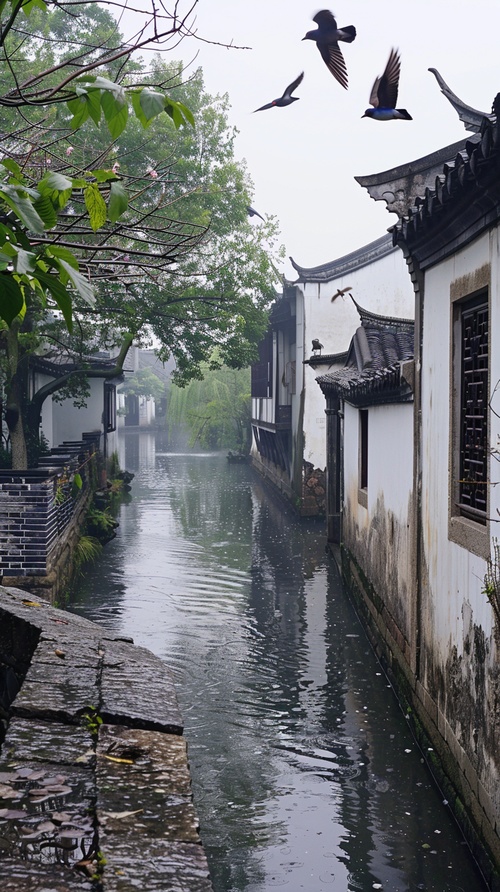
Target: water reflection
304,772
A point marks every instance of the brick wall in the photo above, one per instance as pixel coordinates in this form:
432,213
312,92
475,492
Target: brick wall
36,508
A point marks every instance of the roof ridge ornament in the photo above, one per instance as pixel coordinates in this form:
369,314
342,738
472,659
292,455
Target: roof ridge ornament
471,117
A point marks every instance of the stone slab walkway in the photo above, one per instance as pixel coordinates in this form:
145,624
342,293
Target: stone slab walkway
95,790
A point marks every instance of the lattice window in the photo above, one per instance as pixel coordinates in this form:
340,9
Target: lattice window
109,407
363,448
262,371
473,469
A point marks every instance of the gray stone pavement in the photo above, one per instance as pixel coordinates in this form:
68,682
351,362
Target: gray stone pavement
95,790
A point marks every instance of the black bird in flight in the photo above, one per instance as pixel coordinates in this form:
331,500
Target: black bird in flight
327,37
253,213
340,292
287,97
384,94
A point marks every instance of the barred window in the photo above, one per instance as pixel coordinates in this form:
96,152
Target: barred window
473,421
363,448
262,371
109,415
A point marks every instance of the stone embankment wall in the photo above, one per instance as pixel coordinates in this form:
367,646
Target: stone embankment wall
94,776
314,491
312,486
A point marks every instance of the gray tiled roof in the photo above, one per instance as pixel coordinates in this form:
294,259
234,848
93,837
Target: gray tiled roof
373,371
465,200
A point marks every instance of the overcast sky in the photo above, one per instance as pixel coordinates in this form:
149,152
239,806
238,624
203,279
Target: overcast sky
303,158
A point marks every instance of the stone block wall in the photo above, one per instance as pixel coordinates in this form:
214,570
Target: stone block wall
313,491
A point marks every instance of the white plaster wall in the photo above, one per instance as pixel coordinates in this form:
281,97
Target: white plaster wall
61,421
383,287
455,575
380,534
390,461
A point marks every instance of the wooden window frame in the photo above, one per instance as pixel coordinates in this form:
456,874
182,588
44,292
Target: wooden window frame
468,523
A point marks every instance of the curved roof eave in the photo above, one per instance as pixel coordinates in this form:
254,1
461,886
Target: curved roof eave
355,260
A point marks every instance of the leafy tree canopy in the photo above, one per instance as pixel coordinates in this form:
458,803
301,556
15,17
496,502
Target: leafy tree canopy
115,210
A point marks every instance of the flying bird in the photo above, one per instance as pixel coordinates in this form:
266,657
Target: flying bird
253,213
316,345
287,97
384,94
340,292
327,36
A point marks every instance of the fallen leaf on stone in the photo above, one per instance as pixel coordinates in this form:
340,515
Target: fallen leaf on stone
60,653
122,814
63,622
116,759
31,603
87,867
85,758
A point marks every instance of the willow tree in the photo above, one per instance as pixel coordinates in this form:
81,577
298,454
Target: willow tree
216,411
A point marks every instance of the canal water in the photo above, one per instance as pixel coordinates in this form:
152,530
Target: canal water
305,774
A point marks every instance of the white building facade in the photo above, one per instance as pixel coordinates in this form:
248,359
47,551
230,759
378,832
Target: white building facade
288,409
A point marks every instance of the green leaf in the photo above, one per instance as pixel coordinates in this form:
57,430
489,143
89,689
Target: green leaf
22,207
80,110
104,176
136,105
118,202
187,113
93,101
55,181
24,262
46,210
115,110
11,300
173,111
29,5
96,206
80,283
12,166
51,283
179,113
77,484
63,254
152,103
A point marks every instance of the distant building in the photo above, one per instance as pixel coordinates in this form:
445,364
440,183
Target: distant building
63,421
143,410
288,411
